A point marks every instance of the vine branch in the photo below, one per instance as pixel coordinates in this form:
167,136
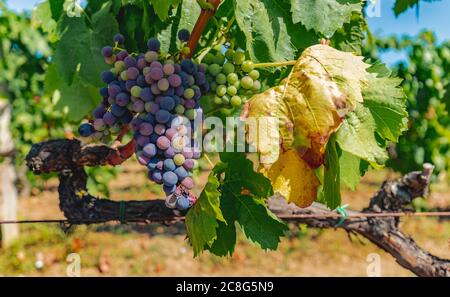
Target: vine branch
67,158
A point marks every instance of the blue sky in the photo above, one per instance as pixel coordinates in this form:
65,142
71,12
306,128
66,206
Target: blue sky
434,16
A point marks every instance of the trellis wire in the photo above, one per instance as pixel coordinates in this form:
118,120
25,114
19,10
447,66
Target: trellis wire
285,217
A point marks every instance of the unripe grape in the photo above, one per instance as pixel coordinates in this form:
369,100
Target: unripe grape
214,69
190,114
189,93
217,100
236,101
228,68
247,82
221,79
179,159
231,90
247,66
208,59
229,54
256,85
221,90
232,78
254,74
136,91
238,58
219,58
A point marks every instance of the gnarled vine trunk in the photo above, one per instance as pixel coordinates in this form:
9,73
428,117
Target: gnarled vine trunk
67,157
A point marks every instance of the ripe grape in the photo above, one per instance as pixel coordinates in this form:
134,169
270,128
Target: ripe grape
183,203
170,178
107,51
184,35
153,44
86,130
119,39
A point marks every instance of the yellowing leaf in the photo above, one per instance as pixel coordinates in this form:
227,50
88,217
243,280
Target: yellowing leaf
293,179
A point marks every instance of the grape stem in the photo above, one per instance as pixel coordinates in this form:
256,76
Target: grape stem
200,25
275,64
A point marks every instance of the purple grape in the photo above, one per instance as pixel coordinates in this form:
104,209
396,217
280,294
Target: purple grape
117,110
177,68
190,104
140,81
189,164
168,69
184,35
188,66
156,73
130,84
169,153
152,164
167,103
122,99
104,92
130,62
99,112
148,117
174,80
143,160
163,142
107,77
113,90
150,150
86,130
136,123
160,129
155,89
107,52
138,106
163,84
151,107
156,176
179,91
171,132
148,79
183,203
147,95
160,164
141,63
181,172
132,73
188,154
162,116
146,129
109,119
153,44
122,55
169,165
169,189
200,78
170,178
188,182
119,38
142,140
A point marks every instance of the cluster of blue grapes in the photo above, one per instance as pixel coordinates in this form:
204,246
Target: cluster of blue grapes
157,96
231,77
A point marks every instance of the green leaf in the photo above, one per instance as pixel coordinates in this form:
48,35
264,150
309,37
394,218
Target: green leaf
357,136
402,5
387,103
202,219
350,37
331,177
350,174
265,25
162,7
42,14
324,16
57,8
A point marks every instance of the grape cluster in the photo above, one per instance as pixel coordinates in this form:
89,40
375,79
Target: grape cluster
157,95
231,77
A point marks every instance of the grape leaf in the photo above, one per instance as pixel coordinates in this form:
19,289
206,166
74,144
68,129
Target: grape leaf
162,7
350,173
42,15
391,117
56,7
350,37
324,16
331,176
357,136
293,178
202,219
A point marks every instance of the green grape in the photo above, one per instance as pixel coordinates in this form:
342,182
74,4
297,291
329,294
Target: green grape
219,58
190,114
231,90
214,69
236,101
225,99
179,109
217,100
208,59
237,84
247,66
119,66
232,78
136,91
247,82
221,79
228,68
123,76
238,58
221,90
254,74
229,54
256,85
213,86
189,93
